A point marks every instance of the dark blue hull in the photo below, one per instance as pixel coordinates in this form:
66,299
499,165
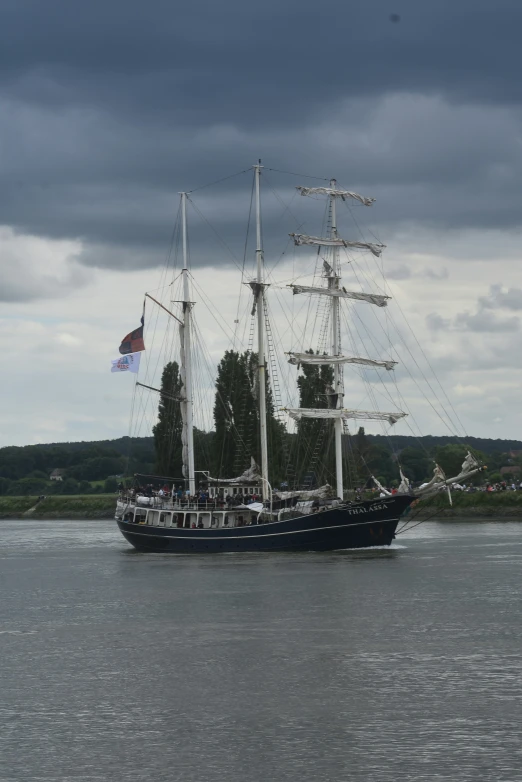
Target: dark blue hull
360,525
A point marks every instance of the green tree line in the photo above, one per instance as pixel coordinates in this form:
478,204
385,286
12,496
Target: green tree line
305,457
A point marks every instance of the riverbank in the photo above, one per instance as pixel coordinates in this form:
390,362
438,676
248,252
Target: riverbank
478,505
80,506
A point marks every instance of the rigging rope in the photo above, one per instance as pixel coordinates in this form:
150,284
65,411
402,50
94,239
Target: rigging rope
217,181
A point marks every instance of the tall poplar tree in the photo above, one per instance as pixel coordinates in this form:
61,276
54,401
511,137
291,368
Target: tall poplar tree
314,457
236,418
167,431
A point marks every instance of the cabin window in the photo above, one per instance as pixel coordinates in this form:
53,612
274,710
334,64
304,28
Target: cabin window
179,519
164,519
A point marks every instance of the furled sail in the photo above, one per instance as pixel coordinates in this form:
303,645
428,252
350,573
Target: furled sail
322,492
366,415
404,487
381,488
251,475
300,239
439,482
332,191
342,293
310,358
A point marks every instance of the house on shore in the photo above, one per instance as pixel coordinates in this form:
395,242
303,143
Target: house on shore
57,475
514,470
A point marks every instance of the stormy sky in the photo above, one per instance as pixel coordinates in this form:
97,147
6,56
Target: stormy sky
108,109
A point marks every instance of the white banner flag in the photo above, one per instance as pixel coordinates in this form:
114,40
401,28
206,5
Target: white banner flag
128,363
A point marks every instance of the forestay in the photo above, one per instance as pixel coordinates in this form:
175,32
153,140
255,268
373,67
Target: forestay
301,239
335,413
310,358
342,293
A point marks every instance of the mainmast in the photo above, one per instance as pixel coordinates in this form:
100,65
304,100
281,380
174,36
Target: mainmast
333,282
258,288
186,362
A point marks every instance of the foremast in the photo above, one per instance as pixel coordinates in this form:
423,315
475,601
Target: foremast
334,290
333,283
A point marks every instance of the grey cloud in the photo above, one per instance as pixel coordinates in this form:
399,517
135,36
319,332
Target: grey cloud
500,299
437,274
481,321
28,286
436,322
485,322
23,278
402,272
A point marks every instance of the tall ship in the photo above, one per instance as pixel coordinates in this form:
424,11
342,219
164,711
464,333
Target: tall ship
285,445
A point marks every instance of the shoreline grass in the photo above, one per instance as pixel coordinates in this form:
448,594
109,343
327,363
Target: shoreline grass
73,506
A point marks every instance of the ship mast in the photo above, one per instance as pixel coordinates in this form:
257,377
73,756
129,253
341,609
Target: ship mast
338,413
258,288
186,361
333,282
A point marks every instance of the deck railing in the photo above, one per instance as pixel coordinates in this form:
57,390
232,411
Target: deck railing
168,503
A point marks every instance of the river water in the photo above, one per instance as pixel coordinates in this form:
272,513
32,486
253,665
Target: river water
399,664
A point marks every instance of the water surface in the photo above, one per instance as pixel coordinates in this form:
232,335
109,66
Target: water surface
399,664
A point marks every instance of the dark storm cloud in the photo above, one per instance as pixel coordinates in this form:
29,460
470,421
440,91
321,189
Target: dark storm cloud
242,60
108,108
